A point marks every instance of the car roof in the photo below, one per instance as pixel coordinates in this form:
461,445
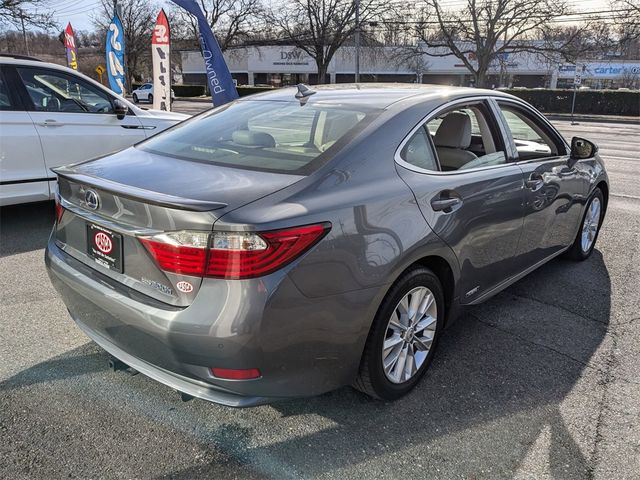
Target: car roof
375,95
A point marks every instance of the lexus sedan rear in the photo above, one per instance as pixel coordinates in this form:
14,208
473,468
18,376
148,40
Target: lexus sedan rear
293,242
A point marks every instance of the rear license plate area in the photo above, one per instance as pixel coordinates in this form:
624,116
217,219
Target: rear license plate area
105,247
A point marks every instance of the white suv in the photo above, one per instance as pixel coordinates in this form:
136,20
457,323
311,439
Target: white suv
51,115
145,92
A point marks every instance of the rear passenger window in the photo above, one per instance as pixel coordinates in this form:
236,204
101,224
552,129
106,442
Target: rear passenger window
418,152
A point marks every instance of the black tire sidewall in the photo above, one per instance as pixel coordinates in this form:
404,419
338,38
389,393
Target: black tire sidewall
150,98
384,388
135,98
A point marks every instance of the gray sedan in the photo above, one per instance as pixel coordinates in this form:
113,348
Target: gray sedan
296,241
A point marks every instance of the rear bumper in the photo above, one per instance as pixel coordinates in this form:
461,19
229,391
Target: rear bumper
178,382
302,346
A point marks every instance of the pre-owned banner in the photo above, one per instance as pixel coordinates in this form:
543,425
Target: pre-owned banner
115,55
70,45
221,85
160,45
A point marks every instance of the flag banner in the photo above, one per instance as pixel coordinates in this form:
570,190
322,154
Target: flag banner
160,50
70,45
221,85
115,55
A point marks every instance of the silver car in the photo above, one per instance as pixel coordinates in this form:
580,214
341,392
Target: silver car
296,241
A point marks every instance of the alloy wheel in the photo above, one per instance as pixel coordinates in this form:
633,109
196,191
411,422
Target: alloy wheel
409,335
590,224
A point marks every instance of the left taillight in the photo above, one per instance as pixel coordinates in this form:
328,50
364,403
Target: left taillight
59,210
232,255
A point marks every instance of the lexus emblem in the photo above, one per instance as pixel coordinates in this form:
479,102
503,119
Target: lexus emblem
92,199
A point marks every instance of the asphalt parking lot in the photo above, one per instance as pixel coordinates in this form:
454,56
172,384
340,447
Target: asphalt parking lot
542,381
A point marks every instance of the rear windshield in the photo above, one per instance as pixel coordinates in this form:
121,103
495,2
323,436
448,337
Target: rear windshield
275,136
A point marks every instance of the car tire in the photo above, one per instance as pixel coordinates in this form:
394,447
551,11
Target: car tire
587,235
373,379
150,98
135,98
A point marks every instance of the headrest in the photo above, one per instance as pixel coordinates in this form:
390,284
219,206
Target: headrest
454,131
253,139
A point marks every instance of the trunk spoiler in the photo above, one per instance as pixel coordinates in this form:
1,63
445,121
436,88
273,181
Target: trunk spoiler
135,193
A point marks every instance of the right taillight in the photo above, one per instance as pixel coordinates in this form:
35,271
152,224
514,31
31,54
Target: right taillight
232,255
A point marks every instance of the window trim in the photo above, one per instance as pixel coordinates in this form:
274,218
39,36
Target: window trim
541,120
30,106
486,100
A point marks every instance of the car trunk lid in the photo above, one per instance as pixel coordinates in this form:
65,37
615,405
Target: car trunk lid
112,203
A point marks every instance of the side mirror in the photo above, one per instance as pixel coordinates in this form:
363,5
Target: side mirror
120,108
582,149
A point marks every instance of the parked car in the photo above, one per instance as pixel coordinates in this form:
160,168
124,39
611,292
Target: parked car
51,115
296,241
145,92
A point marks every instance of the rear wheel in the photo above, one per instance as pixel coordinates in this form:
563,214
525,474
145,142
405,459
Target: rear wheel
585,240
403,336
135,98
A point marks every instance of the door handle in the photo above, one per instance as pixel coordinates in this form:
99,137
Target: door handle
446,204
534,182
51,123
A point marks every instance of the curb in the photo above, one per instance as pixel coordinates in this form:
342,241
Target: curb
593,118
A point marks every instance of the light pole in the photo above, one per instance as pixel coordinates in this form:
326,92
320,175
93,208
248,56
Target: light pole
357,40
24,33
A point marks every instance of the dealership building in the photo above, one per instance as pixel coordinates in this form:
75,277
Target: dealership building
287,65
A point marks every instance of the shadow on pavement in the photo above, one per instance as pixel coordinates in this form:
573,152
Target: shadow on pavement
24,228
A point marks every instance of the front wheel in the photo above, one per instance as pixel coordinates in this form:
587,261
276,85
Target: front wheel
135,98
585,240
403,336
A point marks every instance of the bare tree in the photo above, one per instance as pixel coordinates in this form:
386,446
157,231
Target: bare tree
138,18
230,20
321,27
23,14
411,57
484,31
627,21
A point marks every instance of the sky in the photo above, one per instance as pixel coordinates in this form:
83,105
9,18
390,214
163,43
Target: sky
79,12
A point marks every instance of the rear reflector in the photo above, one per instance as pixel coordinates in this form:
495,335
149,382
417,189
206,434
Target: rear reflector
59,210
233,374
232,255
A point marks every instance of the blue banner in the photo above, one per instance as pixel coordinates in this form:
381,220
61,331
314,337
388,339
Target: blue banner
115,55
221,85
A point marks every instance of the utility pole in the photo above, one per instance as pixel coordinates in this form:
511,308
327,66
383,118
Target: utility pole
24,33
357,39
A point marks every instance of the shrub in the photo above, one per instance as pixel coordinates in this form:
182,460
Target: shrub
595,102
246,90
